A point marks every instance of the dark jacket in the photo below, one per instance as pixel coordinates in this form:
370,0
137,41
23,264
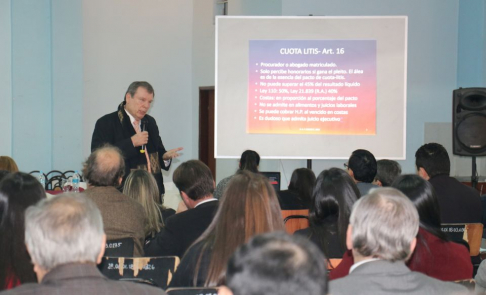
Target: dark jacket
458,203
116,129
290,200
181,230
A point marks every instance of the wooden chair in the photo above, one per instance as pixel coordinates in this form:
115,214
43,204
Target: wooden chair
192,291
119,248
157,271
472,233
333,263
295,219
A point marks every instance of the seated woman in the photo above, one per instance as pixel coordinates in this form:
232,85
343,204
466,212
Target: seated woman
249,161
249,207
142,187
298,196
434,255
332,200
7,163
17,192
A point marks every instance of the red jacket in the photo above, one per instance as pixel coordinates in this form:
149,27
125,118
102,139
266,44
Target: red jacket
11,282
447,261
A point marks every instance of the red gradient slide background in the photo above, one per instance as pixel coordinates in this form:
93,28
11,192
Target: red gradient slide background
286,72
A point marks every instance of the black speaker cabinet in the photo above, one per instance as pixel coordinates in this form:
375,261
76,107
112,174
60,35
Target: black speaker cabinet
469,121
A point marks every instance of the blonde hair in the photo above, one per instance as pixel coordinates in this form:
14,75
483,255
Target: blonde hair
7,163
142,187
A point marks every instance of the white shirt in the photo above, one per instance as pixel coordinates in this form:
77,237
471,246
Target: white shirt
132,120
205,201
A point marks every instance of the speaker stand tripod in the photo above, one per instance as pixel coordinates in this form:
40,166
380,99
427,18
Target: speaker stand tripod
474,176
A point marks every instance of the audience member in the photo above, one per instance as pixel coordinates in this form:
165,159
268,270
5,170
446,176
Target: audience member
141,186
333,197
276,263
122,216
249,161
196,185
382,235
298,195
434,255
362,168
17,192
7,163
65,238
249,207
386,173
4,173
458,202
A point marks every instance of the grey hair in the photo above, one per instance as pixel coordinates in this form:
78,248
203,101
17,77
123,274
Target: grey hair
384,224
132,89
64,229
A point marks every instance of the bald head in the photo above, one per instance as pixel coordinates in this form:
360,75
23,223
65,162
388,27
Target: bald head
104,167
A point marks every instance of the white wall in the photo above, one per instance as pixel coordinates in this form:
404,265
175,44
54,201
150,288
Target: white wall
67,84
148,40
31,84
6,78
203,32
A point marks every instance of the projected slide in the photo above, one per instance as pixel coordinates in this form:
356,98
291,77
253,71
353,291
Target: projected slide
312,87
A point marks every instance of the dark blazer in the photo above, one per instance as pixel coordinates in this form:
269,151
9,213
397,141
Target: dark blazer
181,230
81,279
116,129
122,217
384,277
334,248
458,203
184,275
289,200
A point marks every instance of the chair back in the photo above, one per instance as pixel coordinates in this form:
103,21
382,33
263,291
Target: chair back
192,291
295,219
472,233
157,271
333,263
119,248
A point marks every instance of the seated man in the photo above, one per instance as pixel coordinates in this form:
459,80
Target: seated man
65,239
362,168
382,235
458,203
196,185
386,173
123,217
276,263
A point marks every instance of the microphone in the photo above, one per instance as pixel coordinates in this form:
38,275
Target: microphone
142,149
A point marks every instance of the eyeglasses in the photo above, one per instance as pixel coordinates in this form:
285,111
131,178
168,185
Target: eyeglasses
346,165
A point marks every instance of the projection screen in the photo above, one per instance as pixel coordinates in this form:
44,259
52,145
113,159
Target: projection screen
310,87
